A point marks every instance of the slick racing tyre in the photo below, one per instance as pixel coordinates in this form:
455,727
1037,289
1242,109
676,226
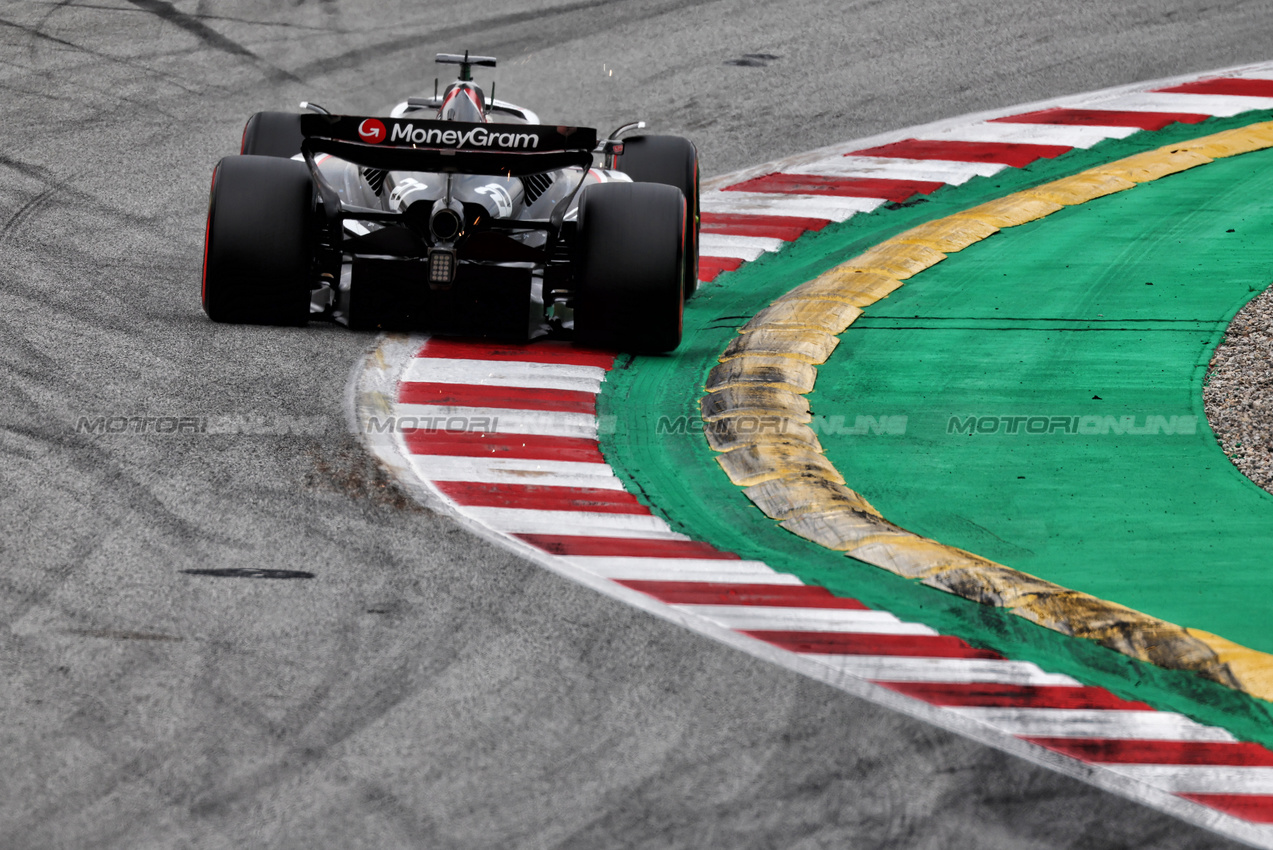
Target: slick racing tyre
258,246
272,134
673,161
630,266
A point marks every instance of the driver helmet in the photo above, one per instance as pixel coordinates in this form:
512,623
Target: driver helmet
463,101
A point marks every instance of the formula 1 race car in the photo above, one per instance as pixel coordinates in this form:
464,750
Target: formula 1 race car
455,213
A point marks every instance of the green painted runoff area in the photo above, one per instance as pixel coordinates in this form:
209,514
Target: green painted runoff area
651,431
1051,379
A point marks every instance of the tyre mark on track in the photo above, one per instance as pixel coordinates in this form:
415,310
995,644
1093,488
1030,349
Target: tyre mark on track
35,366
26,169
351,697
37,33
557,34
206,34
25,212
118,634
95,724
93,468
347,702
361,55
68,186
549,33
249,572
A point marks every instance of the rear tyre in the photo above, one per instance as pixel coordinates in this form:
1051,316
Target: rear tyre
673,161
258,246
272,134
630,266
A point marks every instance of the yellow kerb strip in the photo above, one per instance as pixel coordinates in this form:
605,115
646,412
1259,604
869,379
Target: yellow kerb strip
853,287
948,235
758,419
1081,188
814,314
758,370
896,259
757,463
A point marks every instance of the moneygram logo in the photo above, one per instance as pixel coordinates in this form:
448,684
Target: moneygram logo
372,131
474,137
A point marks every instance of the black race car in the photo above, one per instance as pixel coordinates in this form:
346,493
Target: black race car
455,213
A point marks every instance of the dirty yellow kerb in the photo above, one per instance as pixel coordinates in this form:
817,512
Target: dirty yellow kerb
757,417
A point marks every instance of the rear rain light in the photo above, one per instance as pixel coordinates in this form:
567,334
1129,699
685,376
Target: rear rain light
441,267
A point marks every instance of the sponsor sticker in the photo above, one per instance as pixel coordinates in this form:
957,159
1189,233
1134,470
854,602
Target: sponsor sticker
499,196
372,131
462,136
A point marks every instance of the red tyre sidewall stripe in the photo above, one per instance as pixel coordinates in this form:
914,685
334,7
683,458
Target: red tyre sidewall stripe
685,284
207,238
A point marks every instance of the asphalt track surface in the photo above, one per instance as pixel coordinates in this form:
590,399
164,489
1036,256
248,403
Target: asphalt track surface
424,688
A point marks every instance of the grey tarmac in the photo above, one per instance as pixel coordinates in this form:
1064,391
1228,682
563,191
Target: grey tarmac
241,635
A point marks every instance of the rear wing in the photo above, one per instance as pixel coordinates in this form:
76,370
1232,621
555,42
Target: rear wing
414,144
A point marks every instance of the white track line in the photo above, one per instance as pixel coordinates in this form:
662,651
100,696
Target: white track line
756,617
887,167
1035,134
1219,105
1080,723
495,470
831,207
742,247
548,376
526,521
1200,779
895,668
501,420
